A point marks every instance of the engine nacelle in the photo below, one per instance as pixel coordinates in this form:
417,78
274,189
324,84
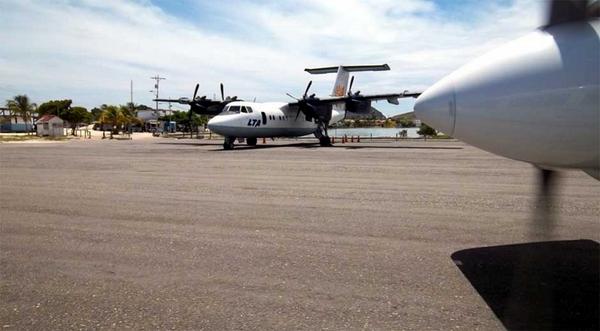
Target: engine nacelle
358,106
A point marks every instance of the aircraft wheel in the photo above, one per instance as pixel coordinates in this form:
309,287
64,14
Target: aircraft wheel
251,141
228,143
325,141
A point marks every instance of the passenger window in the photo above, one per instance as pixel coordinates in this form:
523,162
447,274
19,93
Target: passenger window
244,109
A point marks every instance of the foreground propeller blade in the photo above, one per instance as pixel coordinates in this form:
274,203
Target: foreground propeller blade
307,88
190,114
196,91
350,88
298,113
222,93
291,96
543,222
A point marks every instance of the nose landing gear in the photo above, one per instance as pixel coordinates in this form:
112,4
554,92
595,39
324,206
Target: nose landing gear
228,143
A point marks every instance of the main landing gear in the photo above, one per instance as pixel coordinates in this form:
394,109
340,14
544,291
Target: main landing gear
251,141
324,139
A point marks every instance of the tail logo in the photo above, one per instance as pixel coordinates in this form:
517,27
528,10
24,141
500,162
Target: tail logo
340,90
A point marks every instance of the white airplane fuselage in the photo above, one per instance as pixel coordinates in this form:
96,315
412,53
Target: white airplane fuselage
535,99
268,119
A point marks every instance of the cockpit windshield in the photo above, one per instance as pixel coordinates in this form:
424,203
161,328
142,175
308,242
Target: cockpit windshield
237,110
233,109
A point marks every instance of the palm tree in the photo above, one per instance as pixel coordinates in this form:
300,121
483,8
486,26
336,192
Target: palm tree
129,116
112,115
21,106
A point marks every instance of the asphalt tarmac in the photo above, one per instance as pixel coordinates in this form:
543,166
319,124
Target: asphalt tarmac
179,234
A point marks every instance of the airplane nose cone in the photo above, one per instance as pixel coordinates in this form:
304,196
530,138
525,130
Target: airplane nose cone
225,125
437,107
215,123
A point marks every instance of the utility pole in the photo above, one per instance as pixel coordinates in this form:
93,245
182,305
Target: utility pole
157,78
131,92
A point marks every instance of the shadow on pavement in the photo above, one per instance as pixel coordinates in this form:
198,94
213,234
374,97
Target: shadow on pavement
538,286
308,145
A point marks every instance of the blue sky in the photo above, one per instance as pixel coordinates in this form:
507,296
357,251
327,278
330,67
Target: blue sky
89,50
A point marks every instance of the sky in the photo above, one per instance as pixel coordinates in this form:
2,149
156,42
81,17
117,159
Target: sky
90,50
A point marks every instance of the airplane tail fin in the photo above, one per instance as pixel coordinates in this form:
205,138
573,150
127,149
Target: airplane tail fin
343,74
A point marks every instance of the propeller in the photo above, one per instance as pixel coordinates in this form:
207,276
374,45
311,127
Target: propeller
196,91
543,221
307,88
313,108
293,97
229,98
304,104
190,112
350,89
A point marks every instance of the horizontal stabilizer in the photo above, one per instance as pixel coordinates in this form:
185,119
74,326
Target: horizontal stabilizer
332,70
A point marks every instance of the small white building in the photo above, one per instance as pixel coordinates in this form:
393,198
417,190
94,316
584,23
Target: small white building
50,125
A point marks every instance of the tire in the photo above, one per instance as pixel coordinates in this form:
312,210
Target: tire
228,143
251,141
325,141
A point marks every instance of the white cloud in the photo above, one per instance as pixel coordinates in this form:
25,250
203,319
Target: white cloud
89,50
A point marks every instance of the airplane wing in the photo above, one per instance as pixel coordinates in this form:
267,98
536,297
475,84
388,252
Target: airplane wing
321,109
183,101
201,105
329,101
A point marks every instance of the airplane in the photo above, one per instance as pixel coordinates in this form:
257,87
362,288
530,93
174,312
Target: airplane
244,120
535,99
203,105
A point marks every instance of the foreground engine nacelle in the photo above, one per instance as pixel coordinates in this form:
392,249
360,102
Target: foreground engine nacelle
358,106
535,99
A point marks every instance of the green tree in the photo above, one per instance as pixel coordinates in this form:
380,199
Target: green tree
96,112
54,107
113,116
406,123
75,116
129,116
21,106
389,123
182,118
426,131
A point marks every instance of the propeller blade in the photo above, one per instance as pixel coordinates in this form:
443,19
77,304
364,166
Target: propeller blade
298,113
291,96
350,88
543,222
196,91
222,93
307,88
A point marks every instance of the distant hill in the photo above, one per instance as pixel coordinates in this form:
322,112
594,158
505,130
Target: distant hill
373,114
